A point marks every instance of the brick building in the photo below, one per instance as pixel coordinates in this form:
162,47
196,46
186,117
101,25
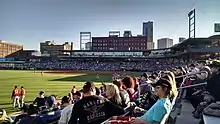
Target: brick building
53,49
121,43
6,49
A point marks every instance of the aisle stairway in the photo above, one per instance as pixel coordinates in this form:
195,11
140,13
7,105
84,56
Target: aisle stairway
186,114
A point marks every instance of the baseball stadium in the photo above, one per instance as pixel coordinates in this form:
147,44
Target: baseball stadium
191,62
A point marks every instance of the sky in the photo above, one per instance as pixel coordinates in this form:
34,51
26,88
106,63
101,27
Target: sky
30,22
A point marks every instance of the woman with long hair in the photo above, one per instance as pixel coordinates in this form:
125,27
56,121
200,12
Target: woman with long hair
123,93
163,105
129,85
112,93
173,82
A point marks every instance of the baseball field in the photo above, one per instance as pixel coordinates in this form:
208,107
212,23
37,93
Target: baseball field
51,82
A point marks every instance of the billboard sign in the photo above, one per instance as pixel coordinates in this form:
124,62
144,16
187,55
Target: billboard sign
217,27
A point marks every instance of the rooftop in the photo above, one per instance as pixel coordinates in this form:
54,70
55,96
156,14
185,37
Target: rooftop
5,42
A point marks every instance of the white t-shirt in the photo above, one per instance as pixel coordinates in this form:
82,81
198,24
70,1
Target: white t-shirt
66,114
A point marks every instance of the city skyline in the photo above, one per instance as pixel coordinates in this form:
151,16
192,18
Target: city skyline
31,22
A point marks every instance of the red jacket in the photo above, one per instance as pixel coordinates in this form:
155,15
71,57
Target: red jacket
22,92
16,92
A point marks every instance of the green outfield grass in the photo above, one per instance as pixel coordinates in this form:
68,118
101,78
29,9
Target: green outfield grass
58,84
33,83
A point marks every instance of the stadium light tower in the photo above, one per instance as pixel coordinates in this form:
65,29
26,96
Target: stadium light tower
192,23
84,38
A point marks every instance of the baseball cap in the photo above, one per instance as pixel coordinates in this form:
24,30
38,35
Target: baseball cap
50,100
88,86
162,82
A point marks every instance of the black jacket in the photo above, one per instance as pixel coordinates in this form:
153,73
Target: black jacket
213,86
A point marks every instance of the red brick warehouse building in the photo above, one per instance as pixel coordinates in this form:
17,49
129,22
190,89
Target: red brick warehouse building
127,42
7,49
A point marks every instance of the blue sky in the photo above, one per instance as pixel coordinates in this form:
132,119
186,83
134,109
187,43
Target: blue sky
29,22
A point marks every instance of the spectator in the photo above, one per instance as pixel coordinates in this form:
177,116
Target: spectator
40,100
65,102
49,104
144,83
98,91
112,93
92,109
198,93
50,114
27,117
102,90
66,112
212,88
129,84
137,87
192,69
70,95
156,75
178,73
73,90
56,102
171,75
152,79
201,65
77,96
160,108
123,93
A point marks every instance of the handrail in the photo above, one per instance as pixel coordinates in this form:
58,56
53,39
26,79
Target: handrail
194,85
186,75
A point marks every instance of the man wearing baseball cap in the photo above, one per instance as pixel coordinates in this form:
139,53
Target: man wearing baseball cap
93,109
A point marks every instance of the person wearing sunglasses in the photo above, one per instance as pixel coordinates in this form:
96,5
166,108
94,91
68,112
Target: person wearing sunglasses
163,105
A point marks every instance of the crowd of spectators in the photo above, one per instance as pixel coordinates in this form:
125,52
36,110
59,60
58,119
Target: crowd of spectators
148,98
148,65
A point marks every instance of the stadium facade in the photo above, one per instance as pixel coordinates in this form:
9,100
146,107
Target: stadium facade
7,49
